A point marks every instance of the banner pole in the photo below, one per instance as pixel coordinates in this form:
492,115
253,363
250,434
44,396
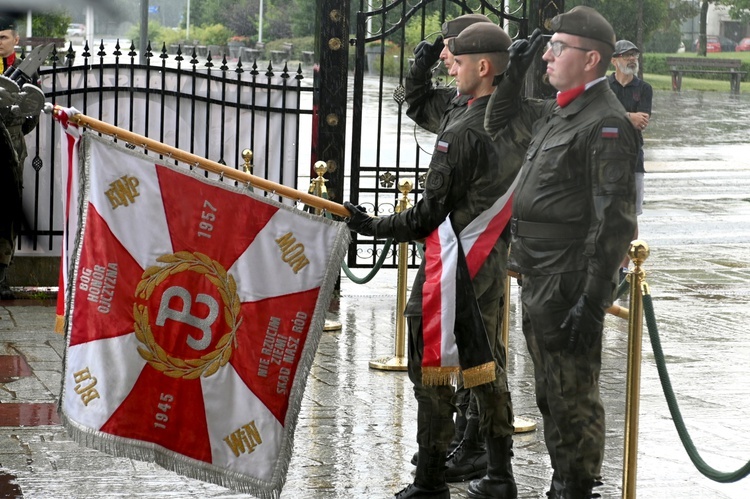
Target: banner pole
638,253
205,164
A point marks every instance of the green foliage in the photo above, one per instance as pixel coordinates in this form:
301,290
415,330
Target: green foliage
387,57
299,45
156,34
623,16
664,41
303,16
415,33
52,24
213,34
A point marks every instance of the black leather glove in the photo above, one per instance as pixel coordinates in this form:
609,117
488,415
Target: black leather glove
522,53
359,221
584,322
426,54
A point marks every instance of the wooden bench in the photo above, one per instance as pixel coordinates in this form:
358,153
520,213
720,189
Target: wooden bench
281,56
701,65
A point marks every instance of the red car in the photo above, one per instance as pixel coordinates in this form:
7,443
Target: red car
712,44
743,46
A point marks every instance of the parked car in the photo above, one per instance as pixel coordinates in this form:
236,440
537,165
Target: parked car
743,46
717,44
76,30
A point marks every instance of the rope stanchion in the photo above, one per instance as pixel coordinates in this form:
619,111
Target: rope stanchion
674,409
642,305
399,362
638,253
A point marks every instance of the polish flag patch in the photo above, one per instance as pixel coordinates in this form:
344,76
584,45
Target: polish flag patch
442,146
610,132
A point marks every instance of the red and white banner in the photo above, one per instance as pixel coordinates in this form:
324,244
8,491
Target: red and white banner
194,313
442,301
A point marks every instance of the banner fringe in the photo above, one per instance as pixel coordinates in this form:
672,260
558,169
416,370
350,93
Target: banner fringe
479,375
444,375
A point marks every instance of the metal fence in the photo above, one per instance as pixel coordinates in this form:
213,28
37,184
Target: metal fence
211,106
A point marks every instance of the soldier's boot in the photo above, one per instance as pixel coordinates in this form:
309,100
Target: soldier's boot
461,423
469,460
582,489
429,479
5,292
556,487
498,483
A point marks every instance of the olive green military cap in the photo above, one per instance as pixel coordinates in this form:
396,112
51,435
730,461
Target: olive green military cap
7,23
586,22
452,28
480,38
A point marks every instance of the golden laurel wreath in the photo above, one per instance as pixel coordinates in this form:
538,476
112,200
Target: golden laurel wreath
154,354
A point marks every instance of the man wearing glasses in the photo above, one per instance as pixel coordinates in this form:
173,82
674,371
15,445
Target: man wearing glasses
635,96
573,218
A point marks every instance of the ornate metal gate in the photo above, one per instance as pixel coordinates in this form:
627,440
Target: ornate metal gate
386,146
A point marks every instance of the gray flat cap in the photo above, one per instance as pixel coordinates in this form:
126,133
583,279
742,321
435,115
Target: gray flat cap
623,46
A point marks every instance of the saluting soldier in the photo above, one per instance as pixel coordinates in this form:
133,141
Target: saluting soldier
574,217
13,153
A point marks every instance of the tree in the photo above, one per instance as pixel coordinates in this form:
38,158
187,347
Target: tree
624,16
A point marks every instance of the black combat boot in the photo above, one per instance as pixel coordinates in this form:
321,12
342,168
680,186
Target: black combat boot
457,436
556,488
469,460
498,483
429,480
580,489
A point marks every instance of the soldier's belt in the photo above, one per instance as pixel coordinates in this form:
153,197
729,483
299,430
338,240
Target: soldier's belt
538,230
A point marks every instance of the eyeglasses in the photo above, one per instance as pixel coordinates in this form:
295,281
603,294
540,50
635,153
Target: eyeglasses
628,55
557,47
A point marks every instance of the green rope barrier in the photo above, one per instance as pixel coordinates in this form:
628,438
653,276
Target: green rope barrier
375,269
687,442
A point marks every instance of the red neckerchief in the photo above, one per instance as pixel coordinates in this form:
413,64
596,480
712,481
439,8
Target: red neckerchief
8,61
565,98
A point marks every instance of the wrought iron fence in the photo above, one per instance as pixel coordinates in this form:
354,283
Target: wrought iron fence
211,106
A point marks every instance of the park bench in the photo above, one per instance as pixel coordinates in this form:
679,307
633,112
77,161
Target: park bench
281,56
701,65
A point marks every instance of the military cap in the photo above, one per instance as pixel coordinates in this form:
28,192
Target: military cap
452,28
480,38
7,23
586,22
623,46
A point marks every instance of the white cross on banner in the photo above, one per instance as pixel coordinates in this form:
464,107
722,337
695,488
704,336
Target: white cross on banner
193,314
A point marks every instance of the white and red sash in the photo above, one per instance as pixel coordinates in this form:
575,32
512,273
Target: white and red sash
69,147
442,360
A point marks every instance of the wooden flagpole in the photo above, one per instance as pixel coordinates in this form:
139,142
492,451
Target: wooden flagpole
206,164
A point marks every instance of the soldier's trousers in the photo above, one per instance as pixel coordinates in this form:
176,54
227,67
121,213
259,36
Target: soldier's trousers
567,384
436,404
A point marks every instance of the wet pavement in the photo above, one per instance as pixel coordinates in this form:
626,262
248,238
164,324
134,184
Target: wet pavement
355,435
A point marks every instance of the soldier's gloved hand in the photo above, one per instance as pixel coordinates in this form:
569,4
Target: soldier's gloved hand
359,221
522,53
426,54
584,323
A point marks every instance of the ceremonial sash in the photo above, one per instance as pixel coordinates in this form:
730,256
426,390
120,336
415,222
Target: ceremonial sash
454,336
69,188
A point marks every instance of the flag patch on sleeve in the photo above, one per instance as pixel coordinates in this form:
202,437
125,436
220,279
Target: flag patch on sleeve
610,132
442,146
